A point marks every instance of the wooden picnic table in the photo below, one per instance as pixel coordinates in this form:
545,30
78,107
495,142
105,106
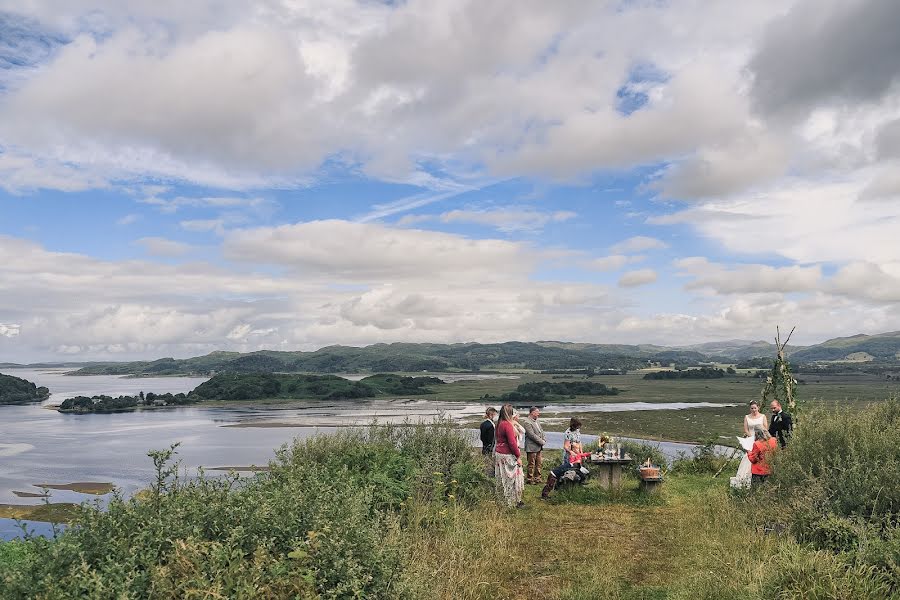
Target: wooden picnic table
608,471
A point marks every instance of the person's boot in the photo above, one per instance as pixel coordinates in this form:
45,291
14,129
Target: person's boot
551,483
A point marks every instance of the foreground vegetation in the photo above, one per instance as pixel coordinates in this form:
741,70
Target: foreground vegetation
15,390
406,513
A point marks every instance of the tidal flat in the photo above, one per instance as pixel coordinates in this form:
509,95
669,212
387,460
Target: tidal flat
82,487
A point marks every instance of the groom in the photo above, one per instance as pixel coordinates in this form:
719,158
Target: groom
781,425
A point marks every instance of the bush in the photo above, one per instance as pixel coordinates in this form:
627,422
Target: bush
846,465
317,525
640,452
837,485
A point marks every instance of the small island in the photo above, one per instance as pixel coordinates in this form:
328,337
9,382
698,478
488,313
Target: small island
15,390
260,386
108,404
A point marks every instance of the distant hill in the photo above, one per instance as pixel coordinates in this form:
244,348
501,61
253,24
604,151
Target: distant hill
880,347
15,390
381,358
739,349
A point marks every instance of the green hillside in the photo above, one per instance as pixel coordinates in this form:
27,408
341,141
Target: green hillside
399,357
15,390
881,347
541,356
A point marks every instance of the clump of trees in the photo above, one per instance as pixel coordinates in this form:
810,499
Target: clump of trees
15,390
542,391
254,386
701,373
107,404
399,385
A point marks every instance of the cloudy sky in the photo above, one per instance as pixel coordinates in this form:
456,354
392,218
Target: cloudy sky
178,177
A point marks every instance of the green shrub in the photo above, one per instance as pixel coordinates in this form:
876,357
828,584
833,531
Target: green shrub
846,465
837,486
640,452
317,525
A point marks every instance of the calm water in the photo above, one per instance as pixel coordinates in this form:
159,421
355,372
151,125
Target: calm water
40,445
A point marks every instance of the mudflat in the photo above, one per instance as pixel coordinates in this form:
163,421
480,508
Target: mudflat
82,487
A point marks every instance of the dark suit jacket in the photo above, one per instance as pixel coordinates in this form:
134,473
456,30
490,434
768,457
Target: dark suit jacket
780,427
487,436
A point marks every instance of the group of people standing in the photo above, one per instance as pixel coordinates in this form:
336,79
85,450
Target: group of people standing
762,438
504,437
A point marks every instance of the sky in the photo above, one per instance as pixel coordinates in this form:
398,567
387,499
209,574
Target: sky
182,177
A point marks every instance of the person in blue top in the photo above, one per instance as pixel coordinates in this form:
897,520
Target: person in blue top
571,446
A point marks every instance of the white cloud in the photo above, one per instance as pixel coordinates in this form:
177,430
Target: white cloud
458,290
21,172
262,93
733,166
638,243
613,262
749,279
637,278
884,186
157,246
867,281
172,205
128,219
345,249
801,221
9,330
507,219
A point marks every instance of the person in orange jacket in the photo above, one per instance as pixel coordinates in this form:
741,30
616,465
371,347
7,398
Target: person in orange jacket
760,469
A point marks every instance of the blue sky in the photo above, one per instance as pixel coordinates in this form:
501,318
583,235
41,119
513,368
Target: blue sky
175,180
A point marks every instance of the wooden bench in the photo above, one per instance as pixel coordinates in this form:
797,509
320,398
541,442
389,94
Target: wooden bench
650,485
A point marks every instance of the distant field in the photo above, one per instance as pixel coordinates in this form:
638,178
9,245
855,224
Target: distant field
844,392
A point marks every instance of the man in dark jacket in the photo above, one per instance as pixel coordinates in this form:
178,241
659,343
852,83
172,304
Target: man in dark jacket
487,430
487,440
780,425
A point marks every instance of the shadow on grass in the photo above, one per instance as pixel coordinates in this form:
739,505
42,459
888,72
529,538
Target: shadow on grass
591,493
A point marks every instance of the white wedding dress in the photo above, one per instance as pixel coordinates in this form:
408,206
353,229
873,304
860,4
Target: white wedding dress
743,477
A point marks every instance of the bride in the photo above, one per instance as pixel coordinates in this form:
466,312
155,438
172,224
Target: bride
752,421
